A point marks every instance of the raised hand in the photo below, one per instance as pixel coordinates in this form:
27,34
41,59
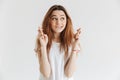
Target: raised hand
76,36
76,42
43,38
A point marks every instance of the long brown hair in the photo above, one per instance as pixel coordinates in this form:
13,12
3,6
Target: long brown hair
66,35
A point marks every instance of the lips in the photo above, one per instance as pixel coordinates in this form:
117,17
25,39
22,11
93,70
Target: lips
58,26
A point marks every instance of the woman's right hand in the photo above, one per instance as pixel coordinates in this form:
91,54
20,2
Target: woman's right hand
43,38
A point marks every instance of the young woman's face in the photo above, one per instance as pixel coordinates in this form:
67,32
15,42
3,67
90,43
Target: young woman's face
58,21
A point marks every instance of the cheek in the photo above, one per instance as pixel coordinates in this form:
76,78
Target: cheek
65,22
52,23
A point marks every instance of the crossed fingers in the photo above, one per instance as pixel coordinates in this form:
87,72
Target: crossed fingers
40,32
77,34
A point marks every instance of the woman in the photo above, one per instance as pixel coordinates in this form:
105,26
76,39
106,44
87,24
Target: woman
57,46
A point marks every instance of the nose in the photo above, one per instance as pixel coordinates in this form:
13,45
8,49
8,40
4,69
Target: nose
58,21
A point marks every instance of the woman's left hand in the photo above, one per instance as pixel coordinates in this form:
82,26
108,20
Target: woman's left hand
77,34
76,42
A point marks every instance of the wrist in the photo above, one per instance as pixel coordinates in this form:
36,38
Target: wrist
75,51
43,45
41,48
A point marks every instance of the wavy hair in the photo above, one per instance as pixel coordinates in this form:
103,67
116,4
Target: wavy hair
66,35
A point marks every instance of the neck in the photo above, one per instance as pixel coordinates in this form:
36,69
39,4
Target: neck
56,38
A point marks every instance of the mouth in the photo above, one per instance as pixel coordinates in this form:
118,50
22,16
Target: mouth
58,26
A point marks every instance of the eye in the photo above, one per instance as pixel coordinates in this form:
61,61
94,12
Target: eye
54,18
62,18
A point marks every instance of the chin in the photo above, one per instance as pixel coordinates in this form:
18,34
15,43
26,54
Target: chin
58,31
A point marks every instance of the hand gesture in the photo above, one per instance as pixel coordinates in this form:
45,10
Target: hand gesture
43,38
77,34
76,43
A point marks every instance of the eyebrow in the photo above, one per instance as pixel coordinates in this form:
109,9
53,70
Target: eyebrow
56,15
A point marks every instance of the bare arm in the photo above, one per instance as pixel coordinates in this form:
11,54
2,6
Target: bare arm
71,63
44,62
45,68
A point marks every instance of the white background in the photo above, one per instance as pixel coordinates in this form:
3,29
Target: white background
100,37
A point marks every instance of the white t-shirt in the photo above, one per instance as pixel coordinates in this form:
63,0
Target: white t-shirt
57,63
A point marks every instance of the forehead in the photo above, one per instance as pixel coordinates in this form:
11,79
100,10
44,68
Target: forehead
58,13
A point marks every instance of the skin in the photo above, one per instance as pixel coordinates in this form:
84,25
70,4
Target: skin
58,23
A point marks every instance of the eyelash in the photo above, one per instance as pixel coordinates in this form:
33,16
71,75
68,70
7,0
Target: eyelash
57,18
62,18
54,18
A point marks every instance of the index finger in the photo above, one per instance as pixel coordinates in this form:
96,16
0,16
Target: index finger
41,31
79,30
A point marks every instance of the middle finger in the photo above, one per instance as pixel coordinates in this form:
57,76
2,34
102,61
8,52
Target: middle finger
79,31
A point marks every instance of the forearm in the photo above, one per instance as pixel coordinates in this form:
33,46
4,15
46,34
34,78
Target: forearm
71,65
44,63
